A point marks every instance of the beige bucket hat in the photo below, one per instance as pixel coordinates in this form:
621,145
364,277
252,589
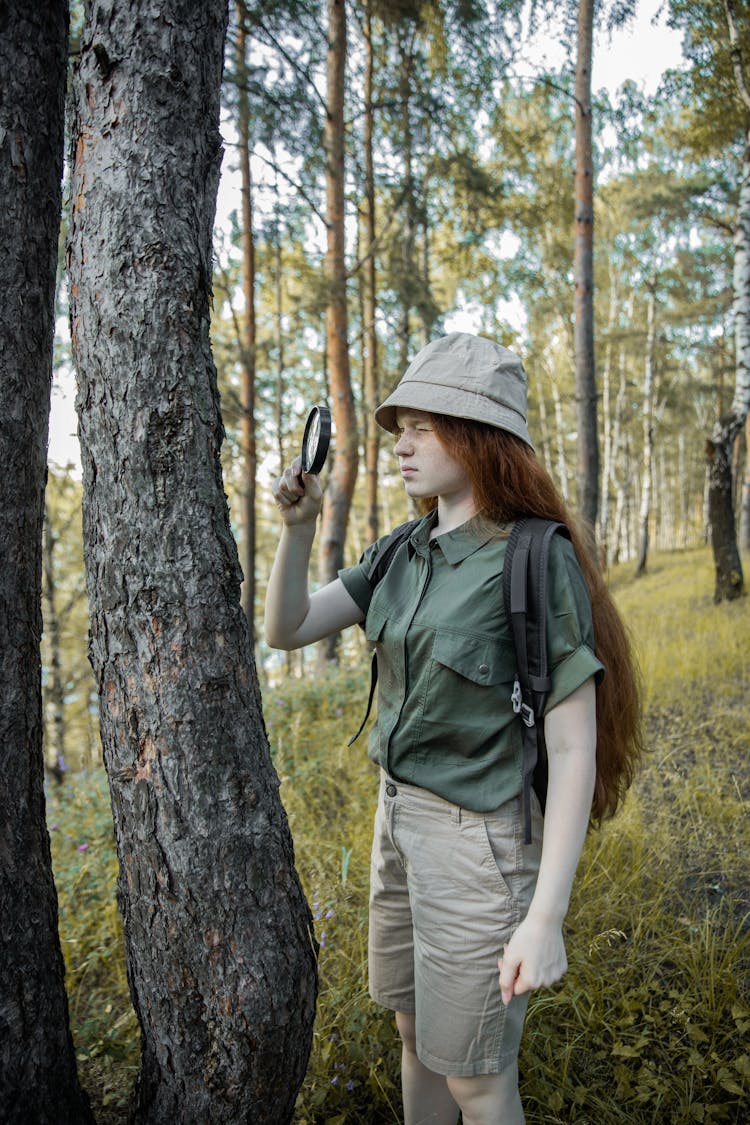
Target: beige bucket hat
463,376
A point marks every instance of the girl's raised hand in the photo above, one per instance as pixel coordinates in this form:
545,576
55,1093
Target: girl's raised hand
298,495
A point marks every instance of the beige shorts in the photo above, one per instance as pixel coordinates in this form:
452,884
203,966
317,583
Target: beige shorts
447,889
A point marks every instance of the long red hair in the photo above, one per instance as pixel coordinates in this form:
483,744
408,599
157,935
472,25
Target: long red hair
509,483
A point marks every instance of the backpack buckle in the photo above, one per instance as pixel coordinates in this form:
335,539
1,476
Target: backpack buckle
521,708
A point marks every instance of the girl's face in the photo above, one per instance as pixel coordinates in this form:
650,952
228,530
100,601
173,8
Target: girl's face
427,468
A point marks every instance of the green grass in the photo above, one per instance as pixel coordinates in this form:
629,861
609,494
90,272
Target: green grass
652,1021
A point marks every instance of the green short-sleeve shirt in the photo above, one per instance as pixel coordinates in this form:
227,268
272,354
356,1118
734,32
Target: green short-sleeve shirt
446,660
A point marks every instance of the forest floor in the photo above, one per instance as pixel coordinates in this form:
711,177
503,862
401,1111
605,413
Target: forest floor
651,1025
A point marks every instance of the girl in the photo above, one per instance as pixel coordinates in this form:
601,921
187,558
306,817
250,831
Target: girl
455,893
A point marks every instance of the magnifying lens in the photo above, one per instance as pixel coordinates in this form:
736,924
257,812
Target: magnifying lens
316,440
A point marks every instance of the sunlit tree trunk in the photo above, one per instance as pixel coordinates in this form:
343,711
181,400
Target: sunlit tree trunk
371,378
38,1081
54,692
562,467
543,449
408,229
648,433
219,945
343,473
278,282
249,446
607,422
682,485
588,451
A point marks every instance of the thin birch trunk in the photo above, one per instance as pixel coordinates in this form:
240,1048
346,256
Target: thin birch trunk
54,693
648,433
562,468
729,579
607,426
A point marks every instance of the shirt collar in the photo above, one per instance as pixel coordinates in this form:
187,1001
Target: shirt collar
456,545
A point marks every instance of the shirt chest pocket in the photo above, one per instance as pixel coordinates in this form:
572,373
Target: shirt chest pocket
375,624
466,705
481,660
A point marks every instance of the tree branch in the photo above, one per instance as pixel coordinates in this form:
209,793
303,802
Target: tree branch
735,53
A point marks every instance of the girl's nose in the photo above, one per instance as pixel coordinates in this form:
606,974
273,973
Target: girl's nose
403,445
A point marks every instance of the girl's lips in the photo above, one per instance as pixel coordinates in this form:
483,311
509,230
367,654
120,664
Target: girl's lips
406,470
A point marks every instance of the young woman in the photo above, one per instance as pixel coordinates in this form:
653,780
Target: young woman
456,895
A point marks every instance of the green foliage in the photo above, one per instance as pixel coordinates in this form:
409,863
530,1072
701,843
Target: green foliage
650,1025
85,866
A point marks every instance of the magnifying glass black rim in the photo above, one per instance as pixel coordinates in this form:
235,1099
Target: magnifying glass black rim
323,415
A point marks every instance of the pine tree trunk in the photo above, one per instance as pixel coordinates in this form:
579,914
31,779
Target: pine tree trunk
279,328
588,449
371,379
220,952
406,281
249,445
38,1081
343,474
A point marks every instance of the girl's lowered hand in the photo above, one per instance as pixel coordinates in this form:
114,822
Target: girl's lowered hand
533,958
298,495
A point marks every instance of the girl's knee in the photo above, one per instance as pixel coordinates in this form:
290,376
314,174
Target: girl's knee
486,1099
407,1029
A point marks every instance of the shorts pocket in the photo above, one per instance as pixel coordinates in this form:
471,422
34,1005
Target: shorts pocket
517,863
502,838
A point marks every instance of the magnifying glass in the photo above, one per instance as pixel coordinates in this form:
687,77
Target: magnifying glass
316,440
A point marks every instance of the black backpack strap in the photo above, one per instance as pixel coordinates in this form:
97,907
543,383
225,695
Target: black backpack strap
384,557
525,596
373,685
378,570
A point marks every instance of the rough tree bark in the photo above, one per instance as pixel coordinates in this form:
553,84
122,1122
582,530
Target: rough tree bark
343,474
588,449
219,944
38,1081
